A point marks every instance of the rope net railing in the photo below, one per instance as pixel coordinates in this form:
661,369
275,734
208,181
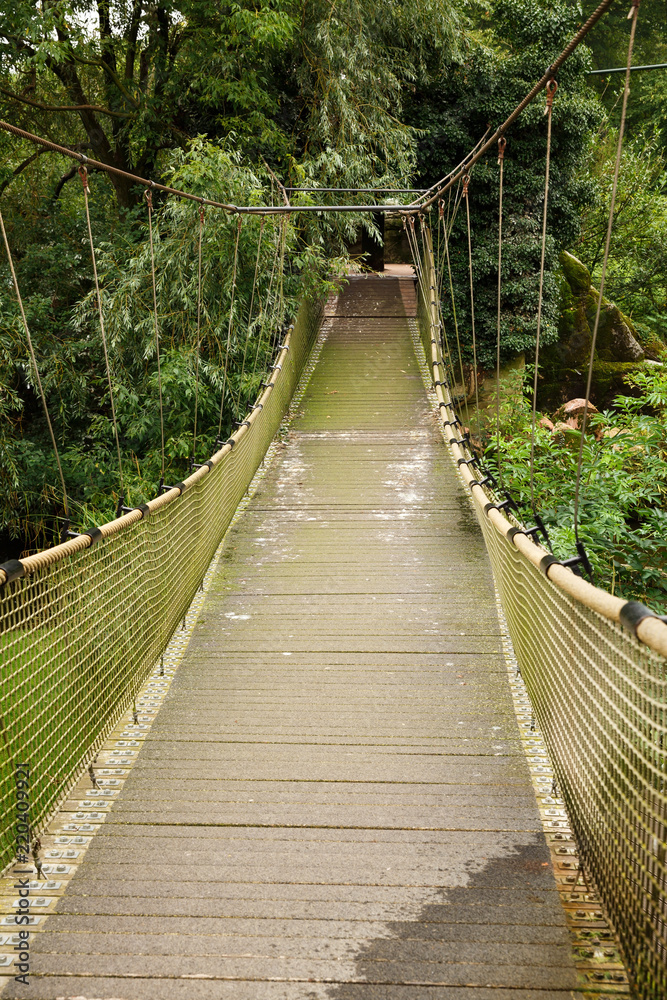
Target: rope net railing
596,670
83,623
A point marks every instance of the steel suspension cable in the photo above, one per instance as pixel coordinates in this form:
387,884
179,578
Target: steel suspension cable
231,320
419,270
199,242
149,202
633,15
83,174
432,290
34,365
502,142
434,192
466,182
451,178
417,259
552,87
460,167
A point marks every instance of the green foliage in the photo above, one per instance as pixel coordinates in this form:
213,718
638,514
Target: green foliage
622,517
314,89
515,40
637,271
54,272
609,46
318,85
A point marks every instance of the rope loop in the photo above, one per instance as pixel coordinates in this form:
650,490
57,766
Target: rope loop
441,209
502,142
466,182
83,174
149,198
551,88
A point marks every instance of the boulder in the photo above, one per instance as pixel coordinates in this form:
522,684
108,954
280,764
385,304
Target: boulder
572,412
564,364
569,435
615,340
576,274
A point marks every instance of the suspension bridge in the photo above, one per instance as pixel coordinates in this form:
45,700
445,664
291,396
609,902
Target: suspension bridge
325,720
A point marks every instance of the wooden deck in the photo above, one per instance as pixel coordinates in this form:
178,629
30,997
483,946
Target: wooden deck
333,801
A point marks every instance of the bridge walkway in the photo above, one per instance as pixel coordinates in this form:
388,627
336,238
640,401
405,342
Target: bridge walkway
333,801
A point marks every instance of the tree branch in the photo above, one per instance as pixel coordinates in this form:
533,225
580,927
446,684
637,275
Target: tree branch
278,182
21,167
114,76
131,38
65,107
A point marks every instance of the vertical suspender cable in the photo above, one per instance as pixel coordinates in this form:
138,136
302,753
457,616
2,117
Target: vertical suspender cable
502,142
466,182
281,271
83,174
261,314
231,320
34,365
439,280
634,11
249,320
551,89
201,230
416,257
149,202
456,328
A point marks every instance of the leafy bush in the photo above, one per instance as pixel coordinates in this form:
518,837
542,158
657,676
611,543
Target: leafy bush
622,516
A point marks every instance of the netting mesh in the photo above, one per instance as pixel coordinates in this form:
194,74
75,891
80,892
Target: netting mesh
79,636
599,696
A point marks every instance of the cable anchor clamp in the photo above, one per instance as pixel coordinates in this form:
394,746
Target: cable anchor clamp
581,559
552,87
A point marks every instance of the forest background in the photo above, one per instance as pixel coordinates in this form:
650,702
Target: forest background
219,99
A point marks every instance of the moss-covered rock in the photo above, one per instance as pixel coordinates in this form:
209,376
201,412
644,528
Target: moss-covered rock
564,364
609,380
576,274
615,339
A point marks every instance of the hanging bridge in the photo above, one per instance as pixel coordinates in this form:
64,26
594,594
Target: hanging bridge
325,720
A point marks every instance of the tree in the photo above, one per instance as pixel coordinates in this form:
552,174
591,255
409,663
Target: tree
515,40
127,80
609,47
322,83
